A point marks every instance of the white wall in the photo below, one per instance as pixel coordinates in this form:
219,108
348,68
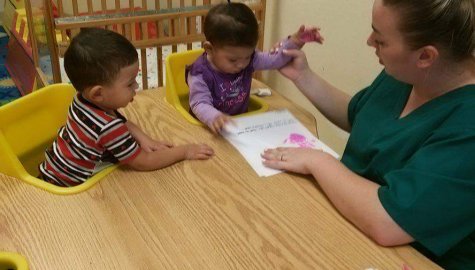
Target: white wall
344,59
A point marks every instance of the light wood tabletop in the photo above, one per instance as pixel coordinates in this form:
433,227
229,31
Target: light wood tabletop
214,214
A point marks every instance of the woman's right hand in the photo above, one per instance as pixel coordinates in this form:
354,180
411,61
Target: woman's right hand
293,159
297,67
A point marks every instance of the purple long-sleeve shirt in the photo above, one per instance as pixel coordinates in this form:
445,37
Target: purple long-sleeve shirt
213,93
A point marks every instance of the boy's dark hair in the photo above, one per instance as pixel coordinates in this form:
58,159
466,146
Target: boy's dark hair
95,57
231,24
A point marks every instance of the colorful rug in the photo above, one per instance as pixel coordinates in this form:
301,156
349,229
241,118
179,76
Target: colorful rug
8,89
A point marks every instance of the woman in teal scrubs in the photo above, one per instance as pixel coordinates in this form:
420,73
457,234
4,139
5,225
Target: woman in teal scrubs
407,175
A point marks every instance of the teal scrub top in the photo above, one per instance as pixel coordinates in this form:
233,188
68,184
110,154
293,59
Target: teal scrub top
424,162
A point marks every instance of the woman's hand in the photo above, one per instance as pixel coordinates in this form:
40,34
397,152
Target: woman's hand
298,160
297,68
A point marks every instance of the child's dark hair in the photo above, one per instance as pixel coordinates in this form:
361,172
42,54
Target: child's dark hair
95,57
231,24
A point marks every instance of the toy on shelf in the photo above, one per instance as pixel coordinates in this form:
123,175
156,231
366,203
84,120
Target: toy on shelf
19,60
8,12
28,59
20,66
19,29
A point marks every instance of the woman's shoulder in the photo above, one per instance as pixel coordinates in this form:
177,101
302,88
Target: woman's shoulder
461,105
463,97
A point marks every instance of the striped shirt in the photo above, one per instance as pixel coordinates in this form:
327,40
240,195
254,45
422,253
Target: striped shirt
91,140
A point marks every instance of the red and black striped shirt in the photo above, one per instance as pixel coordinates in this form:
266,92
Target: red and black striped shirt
91,140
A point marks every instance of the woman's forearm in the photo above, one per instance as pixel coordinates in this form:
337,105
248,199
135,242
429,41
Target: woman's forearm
329,100
357,199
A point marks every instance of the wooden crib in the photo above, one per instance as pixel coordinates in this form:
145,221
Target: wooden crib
165,26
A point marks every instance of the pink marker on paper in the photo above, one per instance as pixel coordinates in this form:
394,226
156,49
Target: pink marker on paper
300,140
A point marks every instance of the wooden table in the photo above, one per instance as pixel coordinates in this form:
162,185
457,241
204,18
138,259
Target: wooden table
215,214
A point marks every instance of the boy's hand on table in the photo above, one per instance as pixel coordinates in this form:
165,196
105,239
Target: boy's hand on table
150,145
198,151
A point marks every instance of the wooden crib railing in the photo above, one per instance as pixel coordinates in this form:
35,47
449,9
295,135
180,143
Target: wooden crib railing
172,24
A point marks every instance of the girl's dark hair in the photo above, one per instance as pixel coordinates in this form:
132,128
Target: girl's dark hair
96,56
231,24
447,24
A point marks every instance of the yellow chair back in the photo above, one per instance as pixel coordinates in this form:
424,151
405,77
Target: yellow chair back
11,260
28,126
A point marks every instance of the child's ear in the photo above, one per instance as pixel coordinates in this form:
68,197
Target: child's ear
427,56
95,93
208,47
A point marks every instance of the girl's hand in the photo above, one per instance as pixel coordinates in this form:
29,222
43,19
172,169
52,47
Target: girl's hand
198,151
306,34
303,35
298,160
219,122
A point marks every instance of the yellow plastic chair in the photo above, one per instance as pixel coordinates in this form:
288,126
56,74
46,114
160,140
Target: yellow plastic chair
177,91
10,260
28,126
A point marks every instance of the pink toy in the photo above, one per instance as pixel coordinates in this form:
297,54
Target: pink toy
311,35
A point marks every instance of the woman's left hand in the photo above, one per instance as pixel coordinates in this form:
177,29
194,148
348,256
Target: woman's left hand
298,160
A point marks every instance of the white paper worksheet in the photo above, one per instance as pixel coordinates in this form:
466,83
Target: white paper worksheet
252,134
